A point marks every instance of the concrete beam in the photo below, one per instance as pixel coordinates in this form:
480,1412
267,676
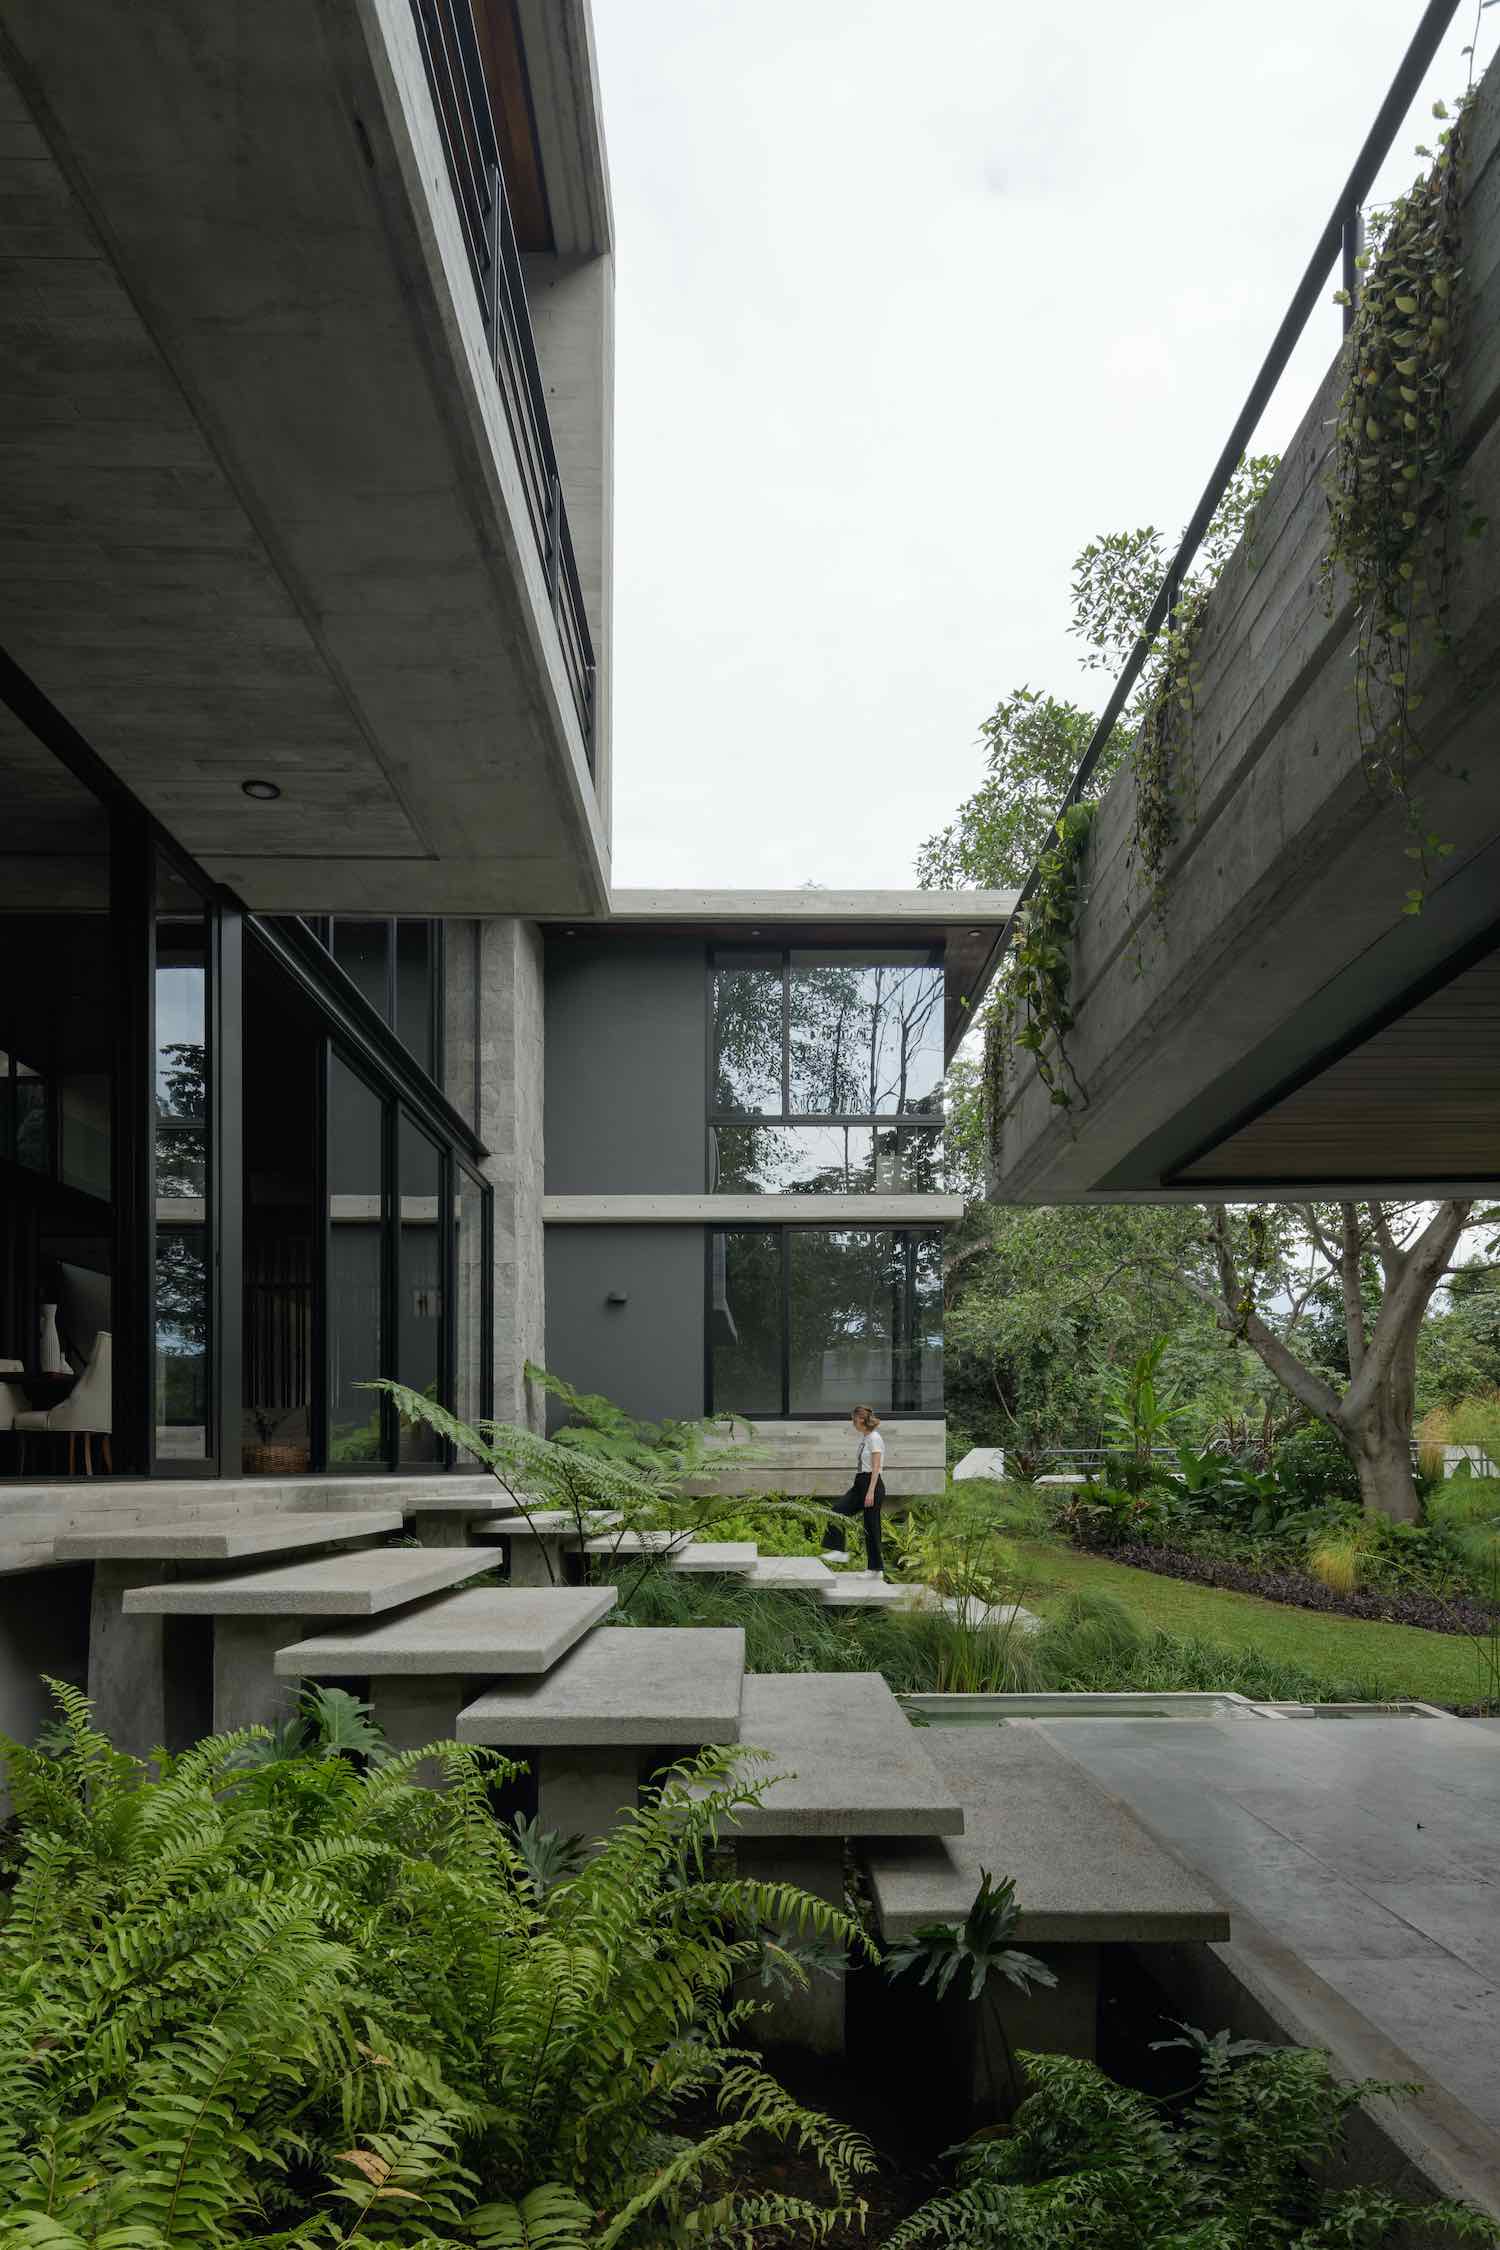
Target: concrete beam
737,1210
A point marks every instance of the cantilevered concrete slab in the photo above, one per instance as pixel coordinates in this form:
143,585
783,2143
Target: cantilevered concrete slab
1268,1018
637,1686
736,1556
847,1760
485,1629
1085,1870
225,1542
268,517
792,1573
357,1585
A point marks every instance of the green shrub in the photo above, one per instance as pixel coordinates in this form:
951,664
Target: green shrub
1313,1467
1089,2165
240,1996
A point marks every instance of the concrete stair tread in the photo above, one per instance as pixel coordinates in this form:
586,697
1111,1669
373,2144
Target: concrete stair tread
185,1541
641,1685
25,1555
790,1570
484,1629
861,1589
352,1585
735,1556
1086,1870
553,1523
848,1761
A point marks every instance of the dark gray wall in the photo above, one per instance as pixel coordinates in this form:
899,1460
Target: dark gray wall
627,1066
647,1354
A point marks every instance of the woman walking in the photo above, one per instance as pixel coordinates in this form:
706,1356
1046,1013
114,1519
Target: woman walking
867,1493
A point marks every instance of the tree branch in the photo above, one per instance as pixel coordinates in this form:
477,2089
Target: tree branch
1351,1282
1421,1269
1308,1389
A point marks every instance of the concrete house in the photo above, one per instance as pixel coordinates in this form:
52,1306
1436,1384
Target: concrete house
326,1047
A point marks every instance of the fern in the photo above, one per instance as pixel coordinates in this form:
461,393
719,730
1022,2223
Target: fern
283,1999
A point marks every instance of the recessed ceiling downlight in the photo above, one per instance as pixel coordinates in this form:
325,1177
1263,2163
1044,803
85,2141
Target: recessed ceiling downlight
262,791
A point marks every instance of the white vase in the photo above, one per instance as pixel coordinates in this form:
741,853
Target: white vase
49,1356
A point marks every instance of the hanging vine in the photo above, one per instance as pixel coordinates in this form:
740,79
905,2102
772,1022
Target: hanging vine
1162,763
1393,485
1038,972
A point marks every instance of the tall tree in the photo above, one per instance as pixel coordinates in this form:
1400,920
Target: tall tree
1411,1247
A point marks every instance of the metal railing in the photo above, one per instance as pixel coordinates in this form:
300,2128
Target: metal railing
1341,239
460,95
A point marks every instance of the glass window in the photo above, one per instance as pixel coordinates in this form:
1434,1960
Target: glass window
362,951
745,1322
416,1026
866,1034
84,1107
181,1081
824,1160
33,1136
419,1335
846,1310
356,1221
468,1282
747,1034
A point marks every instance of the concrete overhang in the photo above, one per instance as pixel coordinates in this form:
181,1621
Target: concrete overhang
742,1210
266,516
970,927
1269,1019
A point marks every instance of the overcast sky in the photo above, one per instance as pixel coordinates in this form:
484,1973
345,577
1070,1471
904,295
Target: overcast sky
911,303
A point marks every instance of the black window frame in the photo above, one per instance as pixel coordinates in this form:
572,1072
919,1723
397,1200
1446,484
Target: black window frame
785,1229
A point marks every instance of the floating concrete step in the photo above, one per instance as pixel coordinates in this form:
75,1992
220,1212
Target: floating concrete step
18,1556
865,1589
637,1542
440,1499
163,1496
483,1630
1085,1870
735,1557
637,1686
186,1541
848,1761
790,1572
361,1584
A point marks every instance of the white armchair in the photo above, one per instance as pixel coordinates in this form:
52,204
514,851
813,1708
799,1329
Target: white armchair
86,1412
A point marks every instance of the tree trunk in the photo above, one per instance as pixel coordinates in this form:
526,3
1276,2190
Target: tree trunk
1386,1485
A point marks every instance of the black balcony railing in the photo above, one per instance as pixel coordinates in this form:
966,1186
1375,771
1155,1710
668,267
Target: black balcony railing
1341,239
461,98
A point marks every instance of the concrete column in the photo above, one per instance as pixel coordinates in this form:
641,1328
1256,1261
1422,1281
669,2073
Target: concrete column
498,1071
814,2016
129,1675
529,1559
436,1528
1060,2019
412,1710
583,1792
247,1692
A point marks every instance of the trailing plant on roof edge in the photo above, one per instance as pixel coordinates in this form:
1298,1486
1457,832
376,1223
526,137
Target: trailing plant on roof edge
1393,485
1039,969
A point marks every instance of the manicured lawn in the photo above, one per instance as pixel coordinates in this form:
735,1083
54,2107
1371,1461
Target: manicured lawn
1386,1660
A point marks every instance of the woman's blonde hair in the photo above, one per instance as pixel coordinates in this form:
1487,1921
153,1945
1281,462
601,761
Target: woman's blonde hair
866,1417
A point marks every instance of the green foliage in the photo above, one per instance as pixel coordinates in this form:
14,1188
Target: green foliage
1141,1410
1089,2165
1033,746
295,2001
1037,973
1393,485
979,1947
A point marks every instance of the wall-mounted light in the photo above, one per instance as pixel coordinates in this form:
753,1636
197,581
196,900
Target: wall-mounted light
262,791
617,1297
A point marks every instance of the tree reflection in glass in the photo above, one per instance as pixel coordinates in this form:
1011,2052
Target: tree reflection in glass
866,1033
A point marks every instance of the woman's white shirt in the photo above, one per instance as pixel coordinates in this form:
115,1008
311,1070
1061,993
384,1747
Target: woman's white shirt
871,1453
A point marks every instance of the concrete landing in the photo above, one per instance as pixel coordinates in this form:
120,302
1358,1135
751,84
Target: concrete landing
357,1585
486,1629
862,1589
1085,1870
849,1762
646,1685
1361,1861
224,1542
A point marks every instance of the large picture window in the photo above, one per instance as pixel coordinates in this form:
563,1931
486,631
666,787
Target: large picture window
810,1321
816,1056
